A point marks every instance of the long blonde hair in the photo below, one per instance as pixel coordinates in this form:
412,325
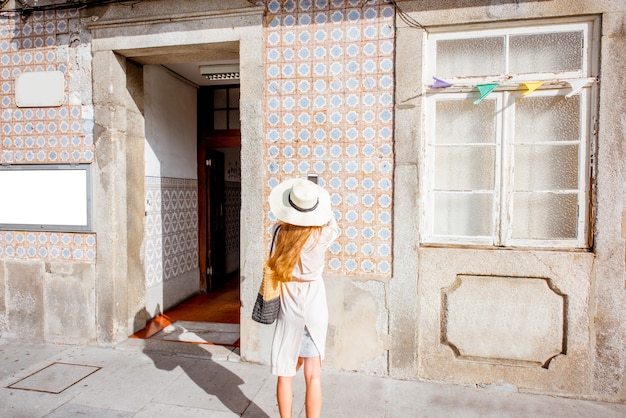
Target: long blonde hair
289,242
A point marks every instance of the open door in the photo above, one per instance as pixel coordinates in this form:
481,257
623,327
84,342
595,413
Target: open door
218,130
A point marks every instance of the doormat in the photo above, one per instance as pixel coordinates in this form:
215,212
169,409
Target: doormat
200,333
55,378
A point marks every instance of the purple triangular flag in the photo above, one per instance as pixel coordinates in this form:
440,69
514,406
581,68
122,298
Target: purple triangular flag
439,83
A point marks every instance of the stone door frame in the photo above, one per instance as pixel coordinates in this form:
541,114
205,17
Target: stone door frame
119,138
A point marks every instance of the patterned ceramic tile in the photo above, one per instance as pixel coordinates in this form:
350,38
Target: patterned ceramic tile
49,246
232,209
171,225
40,135
328,101
329,106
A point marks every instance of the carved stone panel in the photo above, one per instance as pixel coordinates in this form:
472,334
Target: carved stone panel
504,320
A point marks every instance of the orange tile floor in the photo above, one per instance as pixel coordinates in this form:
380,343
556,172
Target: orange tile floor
221,306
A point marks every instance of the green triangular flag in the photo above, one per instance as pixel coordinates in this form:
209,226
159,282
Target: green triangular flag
485,89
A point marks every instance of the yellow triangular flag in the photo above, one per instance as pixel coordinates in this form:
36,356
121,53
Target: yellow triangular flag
485,89
531,86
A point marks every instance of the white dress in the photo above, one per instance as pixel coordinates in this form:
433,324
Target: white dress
303,304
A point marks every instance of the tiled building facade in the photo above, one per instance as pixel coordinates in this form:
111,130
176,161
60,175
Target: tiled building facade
340,89
329,106
46,41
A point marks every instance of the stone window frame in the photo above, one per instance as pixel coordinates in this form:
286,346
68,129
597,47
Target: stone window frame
510,85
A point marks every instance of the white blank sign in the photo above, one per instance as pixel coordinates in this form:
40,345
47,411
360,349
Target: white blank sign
45,198
40,89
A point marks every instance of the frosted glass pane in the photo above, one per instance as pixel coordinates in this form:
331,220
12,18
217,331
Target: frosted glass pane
233,119
463,214
546,52
219,98
462,122
470,57
233,98
546,167
539,119
464,168
544,216
219,121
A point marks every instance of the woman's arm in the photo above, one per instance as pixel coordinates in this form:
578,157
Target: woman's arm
330,231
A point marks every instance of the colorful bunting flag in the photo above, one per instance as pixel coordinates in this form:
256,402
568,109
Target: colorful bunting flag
577,85
439,83
531,86
485,89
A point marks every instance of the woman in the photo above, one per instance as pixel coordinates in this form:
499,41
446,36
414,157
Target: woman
306,228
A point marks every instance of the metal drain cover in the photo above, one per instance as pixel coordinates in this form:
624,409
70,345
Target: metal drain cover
55,378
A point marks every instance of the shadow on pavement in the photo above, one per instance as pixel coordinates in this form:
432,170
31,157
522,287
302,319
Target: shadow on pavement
213,378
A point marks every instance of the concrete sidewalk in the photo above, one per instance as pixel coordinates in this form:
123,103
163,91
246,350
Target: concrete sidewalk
133,380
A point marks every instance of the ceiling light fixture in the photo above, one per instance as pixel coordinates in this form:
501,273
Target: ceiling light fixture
220,71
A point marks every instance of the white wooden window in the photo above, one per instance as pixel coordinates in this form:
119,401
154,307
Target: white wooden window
514,169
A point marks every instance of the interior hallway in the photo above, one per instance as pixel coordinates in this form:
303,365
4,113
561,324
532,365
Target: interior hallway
213,316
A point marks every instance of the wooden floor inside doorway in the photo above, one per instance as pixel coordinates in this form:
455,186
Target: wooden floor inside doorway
220,307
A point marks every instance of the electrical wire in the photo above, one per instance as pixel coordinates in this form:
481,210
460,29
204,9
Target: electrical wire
405,17
70,4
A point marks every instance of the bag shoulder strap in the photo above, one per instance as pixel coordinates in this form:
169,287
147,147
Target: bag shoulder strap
274,239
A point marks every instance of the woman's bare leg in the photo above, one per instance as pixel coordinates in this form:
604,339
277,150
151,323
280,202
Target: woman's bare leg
313,379
284,394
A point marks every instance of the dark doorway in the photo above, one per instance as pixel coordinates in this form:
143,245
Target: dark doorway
219,189
216,238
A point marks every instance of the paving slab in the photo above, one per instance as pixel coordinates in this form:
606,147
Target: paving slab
163,410
71,410
217,386
15,357
444,400
352,395
135,381
128,382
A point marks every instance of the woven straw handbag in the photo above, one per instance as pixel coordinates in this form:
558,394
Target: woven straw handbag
267,303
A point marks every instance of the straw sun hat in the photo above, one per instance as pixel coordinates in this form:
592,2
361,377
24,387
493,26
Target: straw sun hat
300,202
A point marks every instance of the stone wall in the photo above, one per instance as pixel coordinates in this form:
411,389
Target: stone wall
581,294
171,190
171,242
46,277
52,302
